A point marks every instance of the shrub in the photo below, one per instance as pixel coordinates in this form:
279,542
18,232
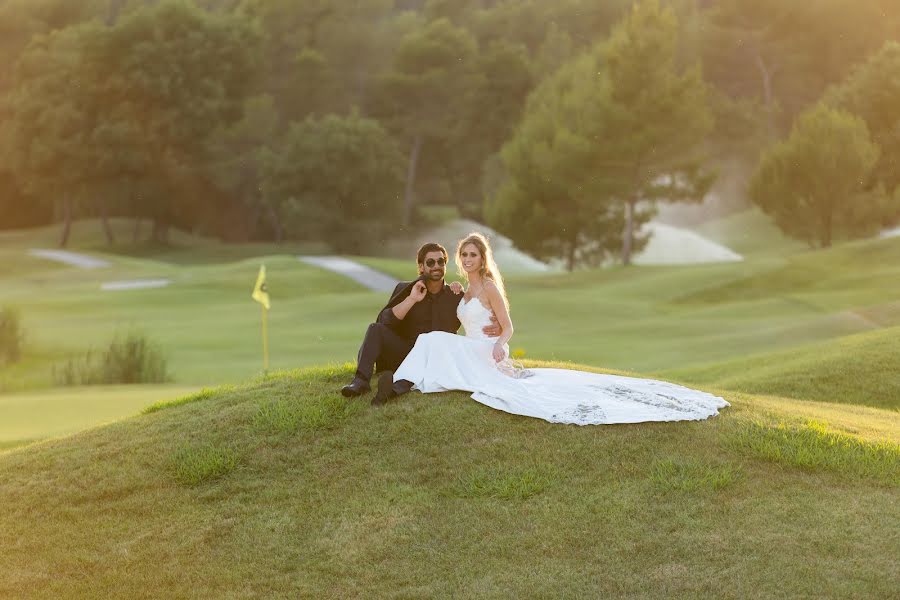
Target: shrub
129,358
11,335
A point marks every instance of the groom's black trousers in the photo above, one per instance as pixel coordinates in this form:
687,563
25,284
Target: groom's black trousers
381,345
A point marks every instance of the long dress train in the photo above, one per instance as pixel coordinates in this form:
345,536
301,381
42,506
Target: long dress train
442,361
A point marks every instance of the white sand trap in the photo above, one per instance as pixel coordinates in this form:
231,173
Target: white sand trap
82,261
134,284
370,278
888,233
670,245
508,258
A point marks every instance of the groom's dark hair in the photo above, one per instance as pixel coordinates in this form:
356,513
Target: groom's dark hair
430,247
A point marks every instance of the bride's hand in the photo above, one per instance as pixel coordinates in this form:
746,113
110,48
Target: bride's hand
456,288
499,353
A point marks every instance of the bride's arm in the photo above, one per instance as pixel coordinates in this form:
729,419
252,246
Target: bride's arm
499,308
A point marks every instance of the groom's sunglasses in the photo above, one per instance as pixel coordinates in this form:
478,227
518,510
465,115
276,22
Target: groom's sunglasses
430,262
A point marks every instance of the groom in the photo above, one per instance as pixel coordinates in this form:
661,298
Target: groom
420,306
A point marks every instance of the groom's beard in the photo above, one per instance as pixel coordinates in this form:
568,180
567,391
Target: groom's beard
433,275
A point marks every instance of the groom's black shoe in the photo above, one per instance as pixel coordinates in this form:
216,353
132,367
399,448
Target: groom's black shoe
355,388
385,389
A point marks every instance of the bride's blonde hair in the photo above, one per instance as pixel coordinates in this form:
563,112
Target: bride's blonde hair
489,268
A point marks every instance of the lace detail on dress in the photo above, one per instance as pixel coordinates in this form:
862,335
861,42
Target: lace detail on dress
657,400
583,414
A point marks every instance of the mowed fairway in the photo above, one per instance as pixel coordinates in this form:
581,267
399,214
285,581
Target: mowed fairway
719,326
38,415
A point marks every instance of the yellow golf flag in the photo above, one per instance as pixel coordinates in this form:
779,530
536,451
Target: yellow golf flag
261,292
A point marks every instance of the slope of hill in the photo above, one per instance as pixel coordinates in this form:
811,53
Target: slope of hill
750,232
857,369
281,488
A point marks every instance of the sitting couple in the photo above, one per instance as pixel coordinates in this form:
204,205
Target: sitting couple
414,342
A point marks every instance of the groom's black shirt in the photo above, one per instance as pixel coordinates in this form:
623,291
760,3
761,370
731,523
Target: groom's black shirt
435,312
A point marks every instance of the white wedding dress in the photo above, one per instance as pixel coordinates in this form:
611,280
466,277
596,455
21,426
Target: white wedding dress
442,361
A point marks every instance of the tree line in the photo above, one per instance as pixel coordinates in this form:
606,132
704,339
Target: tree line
560,124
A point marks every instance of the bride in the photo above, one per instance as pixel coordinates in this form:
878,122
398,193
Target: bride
476,363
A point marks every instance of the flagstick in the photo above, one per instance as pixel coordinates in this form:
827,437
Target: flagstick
265,341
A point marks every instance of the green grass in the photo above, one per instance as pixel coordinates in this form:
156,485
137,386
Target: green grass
501,482
203,394
438,496
856,369
810,325
814,446
693,476
287,415
193,465
58,412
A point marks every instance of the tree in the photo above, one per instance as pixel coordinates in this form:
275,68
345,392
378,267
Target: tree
812,183
212,58
615,127
551,202
500,87
48,127
786,53
238,153
337,180
427,91
872,92
655,120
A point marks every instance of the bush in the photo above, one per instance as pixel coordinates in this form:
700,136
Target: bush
10,335
129,358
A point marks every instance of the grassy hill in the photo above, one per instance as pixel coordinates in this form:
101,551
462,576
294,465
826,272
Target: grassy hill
857,369
281,488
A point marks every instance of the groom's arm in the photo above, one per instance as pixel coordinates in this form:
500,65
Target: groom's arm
387,316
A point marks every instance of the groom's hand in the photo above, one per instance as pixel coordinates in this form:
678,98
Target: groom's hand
418,292
494,329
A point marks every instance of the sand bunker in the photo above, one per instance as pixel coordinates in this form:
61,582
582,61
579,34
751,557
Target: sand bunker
671,245
510,259
668,245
